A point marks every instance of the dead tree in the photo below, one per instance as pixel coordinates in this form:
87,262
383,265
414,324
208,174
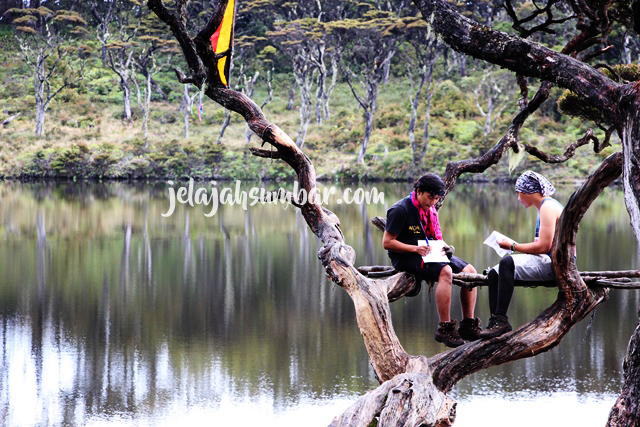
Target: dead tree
187,108
413,390
43,38
425,51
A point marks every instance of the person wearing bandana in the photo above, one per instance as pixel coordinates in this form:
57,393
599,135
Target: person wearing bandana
533,263
415,218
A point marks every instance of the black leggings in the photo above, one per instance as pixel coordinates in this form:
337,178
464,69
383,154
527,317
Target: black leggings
501,286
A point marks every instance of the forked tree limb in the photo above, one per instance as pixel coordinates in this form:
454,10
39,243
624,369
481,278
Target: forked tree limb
543,27
571,150
179,30
522,56
493,156
546,331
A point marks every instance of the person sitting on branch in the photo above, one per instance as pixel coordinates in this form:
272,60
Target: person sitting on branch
415,218
534,263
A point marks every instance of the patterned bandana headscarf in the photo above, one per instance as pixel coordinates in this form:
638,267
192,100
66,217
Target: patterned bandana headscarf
531,182
429,220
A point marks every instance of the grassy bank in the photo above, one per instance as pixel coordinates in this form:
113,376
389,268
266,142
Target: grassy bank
86,138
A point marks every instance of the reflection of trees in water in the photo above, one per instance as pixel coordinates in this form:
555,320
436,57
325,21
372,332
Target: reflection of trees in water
244,304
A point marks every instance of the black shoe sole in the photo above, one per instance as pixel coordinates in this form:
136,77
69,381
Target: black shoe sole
449,343
469,337
485,335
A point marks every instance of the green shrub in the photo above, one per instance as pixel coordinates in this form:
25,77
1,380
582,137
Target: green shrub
396,165
71,162
136,167
213,153
466,131
102,162
390,117
352,172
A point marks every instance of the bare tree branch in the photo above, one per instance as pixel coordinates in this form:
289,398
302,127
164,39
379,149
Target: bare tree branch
493,156
267,154
596,53
180,33
543,27
571,150
522,56
182,78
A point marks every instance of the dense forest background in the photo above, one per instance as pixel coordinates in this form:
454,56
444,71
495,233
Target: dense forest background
90,92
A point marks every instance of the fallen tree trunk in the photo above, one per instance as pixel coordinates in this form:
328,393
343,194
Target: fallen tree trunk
593,279
10,119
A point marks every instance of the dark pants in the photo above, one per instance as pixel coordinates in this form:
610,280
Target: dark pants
501,286
430,271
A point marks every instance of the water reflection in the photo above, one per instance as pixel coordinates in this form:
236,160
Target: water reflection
112,313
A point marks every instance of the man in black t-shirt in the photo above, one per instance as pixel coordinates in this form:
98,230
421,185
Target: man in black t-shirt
415,218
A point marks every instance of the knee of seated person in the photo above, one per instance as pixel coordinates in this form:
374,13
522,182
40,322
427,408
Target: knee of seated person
492,273
446,273
469,269
507,262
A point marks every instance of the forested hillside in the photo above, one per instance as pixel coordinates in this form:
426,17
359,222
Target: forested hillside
90,92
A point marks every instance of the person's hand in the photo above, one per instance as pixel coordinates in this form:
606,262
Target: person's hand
423,250
505,243
448,251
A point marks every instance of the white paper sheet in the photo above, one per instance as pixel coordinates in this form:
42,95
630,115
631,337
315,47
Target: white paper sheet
492,241
437,251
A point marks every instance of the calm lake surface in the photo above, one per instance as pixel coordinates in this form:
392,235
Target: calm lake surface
113,315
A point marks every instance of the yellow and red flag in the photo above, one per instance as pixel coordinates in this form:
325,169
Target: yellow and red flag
222,40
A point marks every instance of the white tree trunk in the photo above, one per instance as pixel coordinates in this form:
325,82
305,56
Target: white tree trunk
415,101
225,124
126,94
372,100
334,81
322,77
631,169
40,115
292,95
304,79
39,88
187,103
147,107
367,135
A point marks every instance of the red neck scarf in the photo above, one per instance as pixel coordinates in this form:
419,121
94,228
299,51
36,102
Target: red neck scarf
429,219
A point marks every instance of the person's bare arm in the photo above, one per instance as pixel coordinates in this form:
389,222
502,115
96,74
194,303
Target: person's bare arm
549,214
390,243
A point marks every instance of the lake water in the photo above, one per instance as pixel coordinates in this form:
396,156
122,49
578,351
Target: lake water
113,315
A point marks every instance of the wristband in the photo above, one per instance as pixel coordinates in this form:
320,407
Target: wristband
513,247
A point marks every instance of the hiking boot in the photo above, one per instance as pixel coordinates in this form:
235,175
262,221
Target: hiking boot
448,335
497,326
470,329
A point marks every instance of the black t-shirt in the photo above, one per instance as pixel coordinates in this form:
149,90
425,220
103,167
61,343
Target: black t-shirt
404,222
